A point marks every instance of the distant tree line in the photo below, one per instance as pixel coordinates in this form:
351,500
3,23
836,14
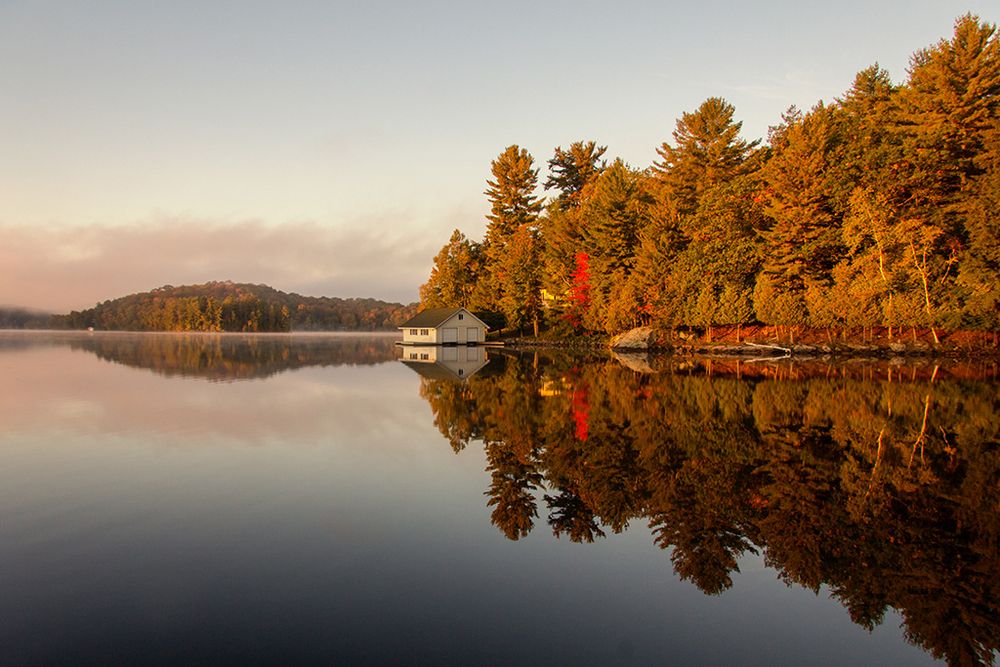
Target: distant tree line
227,306
23,318
877,210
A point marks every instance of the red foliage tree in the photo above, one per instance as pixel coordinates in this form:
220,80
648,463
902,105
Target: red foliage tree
579,291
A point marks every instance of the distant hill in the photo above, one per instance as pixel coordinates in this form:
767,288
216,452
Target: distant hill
23,318
228,306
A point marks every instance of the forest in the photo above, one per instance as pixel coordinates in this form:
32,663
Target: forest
891,504
227,306
875,211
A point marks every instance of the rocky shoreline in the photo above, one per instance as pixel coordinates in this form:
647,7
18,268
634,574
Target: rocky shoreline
645,339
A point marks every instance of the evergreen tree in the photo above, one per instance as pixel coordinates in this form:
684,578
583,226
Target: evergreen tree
802,181
707,151
571,170
519,271
950,112
949,104
514,209
659,244
613,214
713,277
511,194
980,264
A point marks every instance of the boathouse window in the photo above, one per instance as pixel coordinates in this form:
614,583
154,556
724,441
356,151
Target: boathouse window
461,316
425,356
413,332
424,332
413,355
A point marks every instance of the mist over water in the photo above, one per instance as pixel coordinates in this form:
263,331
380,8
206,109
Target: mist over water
203,499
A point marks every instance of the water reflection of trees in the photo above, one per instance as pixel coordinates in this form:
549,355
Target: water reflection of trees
881,482
234,357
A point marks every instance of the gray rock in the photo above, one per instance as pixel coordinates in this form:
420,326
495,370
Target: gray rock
641,338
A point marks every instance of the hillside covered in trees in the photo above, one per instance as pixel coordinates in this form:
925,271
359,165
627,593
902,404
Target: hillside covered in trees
879,210
227,306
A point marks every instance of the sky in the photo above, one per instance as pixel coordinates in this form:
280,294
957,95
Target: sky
330,148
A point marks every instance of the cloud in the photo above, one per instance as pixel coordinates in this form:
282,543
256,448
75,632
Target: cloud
74,267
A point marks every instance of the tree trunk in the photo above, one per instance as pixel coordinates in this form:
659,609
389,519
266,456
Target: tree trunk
921,266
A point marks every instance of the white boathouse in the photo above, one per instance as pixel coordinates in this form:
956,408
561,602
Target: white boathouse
444,326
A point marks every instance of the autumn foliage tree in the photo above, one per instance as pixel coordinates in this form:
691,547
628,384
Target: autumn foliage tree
579,291
455,274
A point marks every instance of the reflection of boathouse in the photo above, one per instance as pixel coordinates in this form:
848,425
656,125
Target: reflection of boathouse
443,326
437,362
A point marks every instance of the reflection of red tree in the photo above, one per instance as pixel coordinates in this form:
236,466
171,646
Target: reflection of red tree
581,413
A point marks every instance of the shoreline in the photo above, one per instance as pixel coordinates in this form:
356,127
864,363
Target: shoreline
953,345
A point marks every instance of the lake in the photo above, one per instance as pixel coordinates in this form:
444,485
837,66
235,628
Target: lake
206,499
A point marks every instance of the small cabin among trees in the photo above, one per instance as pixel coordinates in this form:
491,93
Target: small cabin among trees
444,326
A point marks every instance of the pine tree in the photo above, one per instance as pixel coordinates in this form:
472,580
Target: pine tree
511,193
870,150
713,277
613,217
803,189
571,170
613,214
980,262
514,209
660,242
707,151
950,112
562,238
951,100
519,270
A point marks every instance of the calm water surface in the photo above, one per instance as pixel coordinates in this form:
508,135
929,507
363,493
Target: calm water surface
170,499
